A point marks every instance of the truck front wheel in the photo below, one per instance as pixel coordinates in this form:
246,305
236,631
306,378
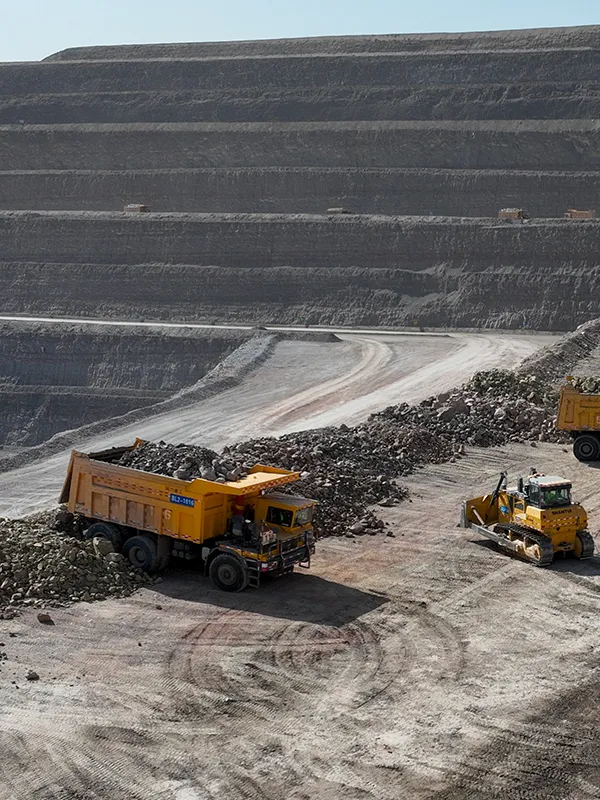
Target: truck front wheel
586,447
142,553
228,573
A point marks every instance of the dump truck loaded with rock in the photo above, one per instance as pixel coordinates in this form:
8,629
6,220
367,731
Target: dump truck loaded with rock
239,530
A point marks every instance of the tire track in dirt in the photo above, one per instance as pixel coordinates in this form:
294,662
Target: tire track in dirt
292,658
336,662
64,769
528,760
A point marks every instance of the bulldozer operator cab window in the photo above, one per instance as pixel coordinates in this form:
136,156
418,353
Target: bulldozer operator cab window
553,497
279,516
549,496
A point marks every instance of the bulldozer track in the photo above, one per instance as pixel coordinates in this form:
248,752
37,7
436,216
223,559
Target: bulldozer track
543,542
587,544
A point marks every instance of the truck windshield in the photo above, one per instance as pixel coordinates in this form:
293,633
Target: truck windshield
279,516
303,516
556,496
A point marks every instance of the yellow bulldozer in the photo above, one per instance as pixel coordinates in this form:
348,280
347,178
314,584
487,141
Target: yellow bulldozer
535,520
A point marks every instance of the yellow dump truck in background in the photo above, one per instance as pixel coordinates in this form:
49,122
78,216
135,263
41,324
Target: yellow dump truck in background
579,413
239,530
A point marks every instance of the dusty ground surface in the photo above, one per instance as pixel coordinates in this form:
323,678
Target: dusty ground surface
423,666
303,385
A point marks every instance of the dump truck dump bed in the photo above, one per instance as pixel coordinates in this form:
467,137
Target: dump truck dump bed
578,411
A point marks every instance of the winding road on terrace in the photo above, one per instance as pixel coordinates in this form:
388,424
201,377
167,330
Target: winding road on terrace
303,385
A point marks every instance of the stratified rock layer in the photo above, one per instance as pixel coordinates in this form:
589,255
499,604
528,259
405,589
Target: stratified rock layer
251,142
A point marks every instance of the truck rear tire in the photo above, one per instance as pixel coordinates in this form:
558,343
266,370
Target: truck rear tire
586,447
142,553
228,573
106,531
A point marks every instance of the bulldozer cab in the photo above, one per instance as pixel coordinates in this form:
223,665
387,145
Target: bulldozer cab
547,491
535,519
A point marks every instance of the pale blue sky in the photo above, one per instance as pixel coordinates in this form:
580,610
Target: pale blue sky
32,29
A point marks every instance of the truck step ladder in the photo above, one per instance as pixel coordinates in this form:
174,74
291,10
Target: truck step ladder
253,572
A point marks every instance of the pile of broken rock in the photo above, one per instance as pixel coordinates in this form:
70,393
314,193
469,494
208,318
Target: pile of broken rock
350,470
42,566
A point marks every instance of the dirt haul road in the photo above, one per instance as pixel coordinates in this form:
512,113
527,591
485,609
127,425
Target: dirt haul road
422,666
303,385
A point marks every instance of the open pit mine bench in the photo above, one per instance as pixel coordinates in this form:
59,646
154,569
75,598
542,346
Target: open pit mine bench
238,531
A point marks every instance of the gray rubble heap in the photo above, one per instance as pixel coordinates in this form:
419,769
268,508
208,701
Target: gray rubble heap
350,469
40,566
346,469
587,385
493,408
564,356
182,461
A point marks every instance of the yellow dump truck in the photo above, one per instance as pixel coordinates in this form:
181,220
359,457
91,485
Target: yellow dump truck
579,413
536,519
238,530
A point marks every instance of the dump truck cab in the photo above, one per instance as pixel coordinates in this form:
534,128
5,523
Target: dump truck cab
536,518
272,529
286,513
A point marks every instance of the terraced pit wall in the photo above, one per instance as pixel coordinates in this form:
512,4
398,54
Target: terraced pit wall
305,190
59,377
412,127
306,269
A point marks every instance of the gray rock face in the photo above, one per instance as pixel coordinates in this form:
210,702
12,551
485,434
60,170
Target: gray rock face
543,275
428,126
555,38
60,377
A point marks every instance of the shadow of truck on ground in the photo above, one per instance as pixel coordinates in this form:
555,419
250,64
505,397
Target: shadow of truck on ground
297,597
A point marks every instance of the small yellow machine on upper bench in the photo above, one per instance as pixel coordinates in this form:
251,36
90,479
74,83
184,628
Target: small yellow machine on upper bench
535,519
